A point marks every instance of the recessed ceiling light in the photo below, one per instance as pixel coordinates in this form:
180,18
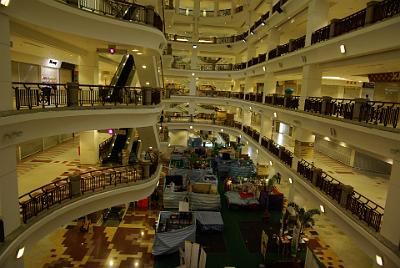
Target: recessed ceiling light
147,83
290,180
20,252
193,74
222,130
342,49
144,66
270,162
321,207
139,53
5,2
135,50
191,127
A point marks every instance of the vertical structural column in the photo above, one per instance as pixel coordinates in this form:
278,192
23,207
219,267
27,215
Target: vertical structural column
6,95
216,8
273,39
269,84
194,51
233,7
89,69
390,229
177,5
9,207
311,83
266,126
303,143
317,17
246,117
89,147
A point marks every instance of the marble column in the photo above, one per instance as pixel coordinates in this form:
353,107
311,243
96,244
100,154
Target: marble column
311,83
89,147
89,69
390,229
317,17
9,207
6,93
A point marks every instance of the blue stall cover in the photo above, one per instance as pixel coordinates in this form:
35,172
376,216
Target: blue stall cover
170,242
210,220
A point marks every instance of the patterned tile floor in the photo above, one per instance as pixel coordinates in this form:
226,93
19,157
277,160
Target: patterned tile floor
128,245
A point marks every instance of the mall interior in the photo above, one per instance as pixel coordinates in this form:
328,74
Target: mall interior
199,133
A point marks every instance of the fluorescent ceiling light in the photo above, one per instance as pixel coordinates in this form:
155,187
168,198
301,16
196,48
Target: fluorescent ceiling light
205,41
135,50
334,77
182,39
342,49
139,53
20,252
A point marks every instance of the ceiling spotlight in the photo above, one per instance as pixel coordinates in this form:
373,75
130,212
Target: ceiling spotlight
251,32
194,46
342,49
263,23
147,83
191,127
193,74
144,66
222,130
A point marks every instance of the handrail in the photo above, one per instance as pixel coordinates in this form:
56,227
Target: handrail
359,205
49,95
381,11
46,196
104,147
382,113
118,9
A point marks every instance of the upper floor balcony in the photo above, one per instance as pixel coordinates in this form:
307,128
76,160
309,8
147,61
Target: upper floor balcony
115,21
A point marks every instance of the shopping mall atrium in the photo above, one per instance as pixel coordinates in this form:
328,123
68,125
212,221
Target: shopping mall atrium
199,133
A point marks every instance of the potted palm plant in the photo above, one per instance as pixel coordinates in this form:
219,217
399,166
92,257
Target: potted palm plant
305,220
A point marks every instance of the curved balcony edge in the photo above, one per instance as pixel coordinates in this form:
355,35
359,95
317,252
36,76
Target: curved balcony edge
36,123
369,241
82,23
28,234
345,130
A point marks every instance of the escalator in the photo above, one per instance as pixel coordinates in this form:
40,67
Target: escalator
122,77
133,156
115,155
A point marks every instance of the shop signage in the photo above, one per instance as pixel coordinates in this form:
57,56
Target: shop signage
53,62
385,77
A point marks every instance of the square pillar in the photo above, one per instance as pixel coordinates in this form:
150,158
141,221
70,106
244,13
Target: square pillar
317,17
6,92
89,147
311,83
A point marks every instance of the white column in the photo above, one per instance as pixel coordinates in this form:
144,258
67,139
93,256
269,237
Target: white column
269,83
216,7
89,147
89,69
196,8
390,229
177,5
246,117
266,126
9,207
304,144
233,6
6,93
317,17
273,39
311,83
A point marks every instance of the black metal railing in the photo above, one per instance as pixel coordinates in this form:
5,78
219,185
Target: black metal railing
42,95
350,23
373,112
130,12
359,205
45,197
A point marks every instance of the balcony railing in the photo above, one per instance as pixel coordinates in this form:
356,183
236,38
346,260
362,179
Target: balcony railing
359,205
120,10
41,95
49,195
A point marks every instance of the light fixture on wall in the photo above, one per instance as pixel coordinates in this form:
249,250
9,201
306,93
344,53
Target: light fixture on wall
191,127
194,46
275,115
270,162
147,83
321,207
342,49
5,2
379,260
193,74
290,180
20,252
264,68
